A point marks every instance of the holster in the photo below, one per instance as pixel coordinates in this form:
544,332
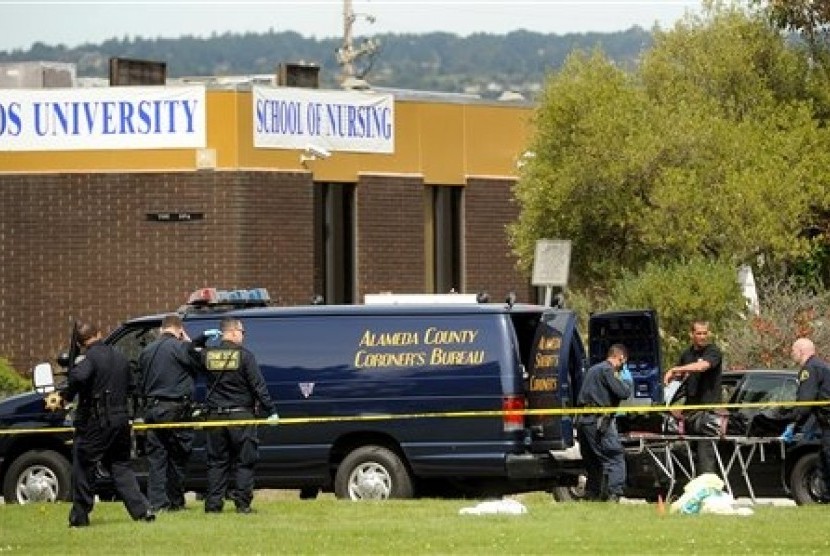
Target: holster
604,423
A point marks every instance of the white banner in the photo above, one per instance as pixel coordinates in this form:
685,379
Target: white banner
292,118
102,118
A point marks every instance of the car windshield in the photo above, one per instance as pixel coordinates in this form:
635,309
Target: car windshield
758,388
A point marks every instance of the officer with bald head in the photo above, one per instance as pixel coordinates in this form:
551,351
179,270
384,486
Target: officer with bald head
813,385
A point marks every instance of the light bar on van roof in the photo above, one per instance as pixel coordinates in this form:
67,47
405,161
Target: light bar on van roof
212,296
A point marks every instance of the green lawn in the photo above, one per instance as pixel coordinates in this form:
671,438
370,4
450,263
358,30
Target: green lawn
327,526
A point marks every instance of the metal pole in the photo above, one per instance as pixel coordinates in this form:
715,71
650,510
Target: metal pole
348,47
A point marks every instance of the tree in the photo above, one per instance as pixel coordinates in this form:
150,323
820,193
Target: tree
700,288
810,18
709,148
788,311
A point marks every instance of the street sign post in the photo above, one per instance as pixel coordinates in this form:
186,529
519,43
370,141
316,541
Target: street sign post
551,265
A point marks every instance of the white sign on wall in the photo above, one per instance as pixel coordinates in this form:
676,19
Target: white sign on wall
102,118
352,121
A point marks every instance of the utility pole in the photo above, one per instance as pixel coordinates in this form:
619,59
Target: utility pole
347,53
347,50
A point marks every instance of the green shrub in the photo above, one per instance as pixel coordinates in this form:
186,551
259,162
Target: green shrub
10,381
681,292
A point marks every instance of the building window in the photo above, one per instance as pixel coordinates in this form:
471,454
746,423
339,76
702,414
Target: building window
445,239
334,225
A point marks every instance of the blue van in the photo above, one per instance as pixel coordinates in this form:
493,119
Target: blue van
394,401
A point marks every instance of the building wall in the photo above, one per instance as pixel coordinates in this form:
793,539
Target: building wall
81,245
490,264
75,239
390,235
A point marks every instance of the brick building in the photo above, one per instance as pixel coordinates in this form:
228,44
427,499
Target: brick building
107,234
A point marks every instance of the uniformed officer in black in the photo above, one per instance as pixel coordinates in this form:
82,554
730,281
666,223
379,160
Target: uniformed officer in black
599,444
103,382
814,385
168,367
235,386
702,365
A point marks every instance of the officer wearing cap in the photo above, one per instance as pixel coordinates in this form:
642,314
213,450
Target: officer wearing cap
813,385
235,386
168,367
599,444
102,382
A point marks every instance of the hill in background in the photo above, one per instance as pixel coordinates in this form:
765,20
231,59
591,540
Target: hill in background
484,64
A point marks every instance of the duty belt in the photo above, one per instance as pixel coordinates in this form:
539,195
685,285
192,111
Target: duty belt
165,399
228,410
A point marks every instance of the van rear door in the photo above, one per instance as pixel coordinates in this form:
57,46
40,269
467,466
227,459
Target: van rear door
638,331
554,366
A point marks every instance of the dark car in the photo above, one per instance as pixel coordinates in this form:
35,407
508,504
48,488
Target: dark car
747,435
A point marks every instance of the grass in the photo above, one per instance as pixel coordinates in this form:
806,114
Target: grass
286,525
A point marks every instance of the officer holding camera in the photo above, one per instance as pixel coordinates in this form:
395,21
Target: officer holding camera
168,367
599,444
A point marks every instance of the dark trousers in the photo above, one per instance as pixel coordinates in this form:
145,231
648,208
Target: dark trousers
825,461
95,446
603,457
706,461
231,449
168,451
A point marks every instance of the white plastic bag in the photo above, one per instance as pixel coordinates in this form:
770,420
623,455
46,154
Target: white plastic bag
505,506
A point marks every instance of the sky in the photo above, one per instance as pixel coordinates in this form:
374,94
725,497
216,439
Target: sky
23,23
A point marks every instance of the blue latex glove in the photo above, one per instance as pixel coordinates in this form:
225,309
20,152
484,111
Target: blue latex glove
625,374
273,419
788,435
206,336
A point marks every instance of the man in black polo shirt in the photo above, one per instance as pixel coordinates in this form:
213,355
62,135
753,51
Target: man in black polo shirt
701,364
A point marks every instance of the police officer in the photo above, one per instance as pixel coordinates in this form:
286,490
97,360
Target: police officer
235,385
102,382
168,367
813,385
602,452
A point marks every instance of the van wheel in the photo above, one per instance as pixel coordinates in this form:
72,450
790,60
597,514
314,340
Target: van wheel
372,473
573,493
806,482
37,476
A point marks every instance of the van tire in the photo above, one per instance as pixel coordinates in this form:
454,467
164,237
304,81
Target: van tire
37,476
805,479
372,473
573,493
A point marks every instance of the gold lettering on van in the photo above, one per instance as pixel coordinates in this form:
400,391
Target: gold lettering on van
366,360
376,339
550,343
543,384
449,357
436,336
377,350
545,360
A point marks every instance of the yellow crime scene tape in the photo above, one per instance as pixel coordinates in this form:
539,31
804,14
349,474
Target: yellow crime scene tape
569,411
